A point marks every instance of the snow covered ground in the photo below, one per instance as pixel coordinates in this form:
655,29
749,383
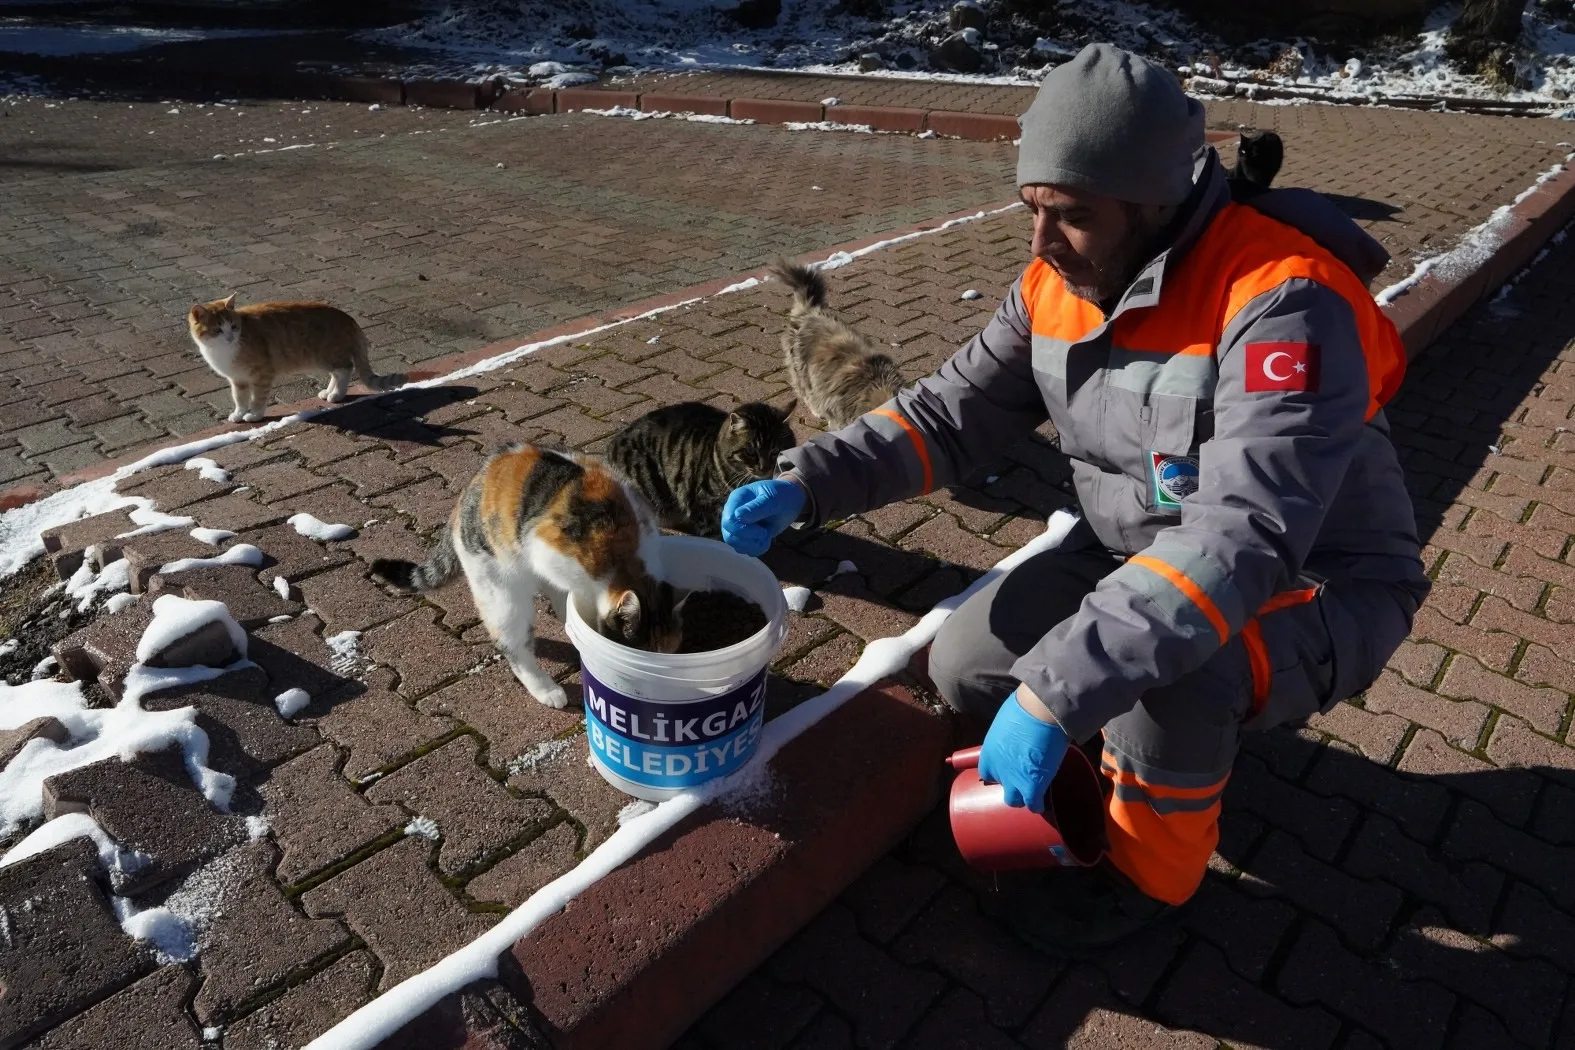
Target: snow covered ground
539,40
564,42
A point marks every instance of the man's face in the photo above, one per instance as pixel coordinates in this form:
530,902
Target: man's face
1097,244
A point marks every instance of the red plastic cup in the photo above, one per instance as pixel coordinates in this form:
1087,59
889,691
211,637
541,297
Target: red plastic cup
993,836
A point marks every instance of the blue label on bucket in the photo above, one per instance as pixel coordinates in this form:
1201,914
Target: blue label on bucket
673,745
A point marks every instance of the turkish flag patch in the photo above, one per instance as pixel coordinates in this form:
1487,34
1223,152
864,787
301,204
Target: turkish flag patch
1282,366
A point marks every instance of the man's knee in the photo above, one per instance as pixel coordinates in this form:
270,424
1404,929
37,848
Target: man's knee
967,669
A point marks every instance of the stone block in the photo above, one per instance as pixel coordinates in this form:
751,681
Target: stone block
148,804
315,816
64,948
65,544
250,603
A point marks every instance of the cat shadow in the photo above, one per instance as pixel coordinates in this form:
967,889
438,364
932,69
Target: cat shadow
400,415
1364,209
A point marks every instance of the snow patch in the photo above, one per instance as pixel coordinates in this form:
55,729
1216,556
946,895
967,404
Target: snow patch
240,554
152,521
970,295
321,531
257,828
345,650
281,587
424,827
291,701
177,929
630,113
843,568
542,754
212,537
45,668
69,826
638,808
8,647
85,585
827,125
478,960
797,598
175,617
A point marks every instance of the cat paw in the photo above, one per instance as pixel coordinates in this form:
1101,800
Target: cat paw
555,698
331,395
236,416
252,417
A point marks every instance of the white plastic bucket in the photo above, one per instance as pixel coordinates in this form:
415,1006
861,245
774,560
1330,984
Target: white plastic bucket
660,723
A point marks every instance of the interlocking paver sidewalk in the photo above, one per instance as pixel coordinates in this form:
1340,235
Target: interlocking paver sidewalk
403,216
1394,874
444,235
1374,880
1383,166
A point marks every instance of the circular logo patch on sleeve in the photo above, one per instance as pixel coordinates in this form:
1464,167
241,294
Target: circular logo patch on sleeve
1175,478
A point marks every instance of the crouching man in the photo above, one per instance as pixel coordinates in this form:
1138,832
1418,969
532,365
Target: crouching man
1217,373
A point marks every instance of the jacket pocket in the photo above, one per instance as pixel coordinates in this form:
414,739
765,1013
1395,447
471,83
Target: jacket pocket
1170,461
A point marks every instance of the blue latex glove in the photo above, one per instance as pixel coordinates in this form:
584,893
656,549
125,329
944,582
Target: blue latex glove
755,513
1022,753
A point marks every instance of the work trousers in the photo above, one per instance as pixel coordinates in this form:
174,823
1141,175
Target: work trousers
1167,760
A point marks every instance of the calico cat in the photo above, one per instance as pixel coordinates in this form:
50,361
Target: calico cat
686,458
1259,155
537,519
838,373
251,346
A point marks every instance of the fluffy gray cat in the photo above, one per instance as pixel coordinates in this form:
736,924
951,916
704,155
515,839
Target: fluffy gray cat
837,373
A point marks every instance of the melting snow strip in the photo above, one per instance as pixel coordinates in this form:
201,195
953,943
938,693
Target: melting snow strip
1473,249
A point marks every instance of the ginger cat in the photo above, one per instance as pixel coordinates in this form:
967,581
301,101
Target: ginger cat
561,523
251,346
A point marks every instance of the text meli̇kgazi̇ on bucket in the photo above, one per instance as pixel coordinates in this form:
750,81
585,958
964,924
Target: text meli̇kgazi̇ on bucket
659,723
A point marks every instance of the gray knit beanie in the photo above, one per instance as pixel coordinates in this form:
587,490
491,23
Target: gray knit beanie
1112,123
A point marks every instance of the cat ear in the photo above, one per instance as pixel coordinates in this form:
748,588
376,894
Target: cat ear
229,301
785,413
626,610
737,423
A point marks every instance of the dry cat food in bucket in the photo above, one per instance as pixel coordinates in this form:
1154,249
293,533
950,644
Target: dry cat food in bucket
718,619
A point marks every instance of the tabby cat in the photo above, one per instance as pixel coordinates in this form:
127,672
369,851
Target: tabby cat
251,346
539,520
686,458
838,373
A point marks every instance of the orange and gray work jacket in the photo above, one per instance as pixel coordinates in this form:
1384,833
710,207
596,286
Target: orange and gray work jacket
1225,430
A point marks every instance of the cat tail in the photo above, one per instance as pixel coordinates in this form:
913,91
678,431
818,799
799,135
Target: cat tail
440,567
370,379
809,287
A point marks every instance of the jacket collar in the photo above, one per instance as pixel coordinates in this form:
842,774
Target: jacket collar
1209,195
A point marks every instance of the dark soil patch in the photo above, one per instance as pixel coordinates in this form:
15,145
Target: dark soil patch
36,613
718,619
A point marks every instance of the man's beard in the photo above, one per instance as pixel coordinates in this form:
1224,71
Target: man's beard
1112,276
